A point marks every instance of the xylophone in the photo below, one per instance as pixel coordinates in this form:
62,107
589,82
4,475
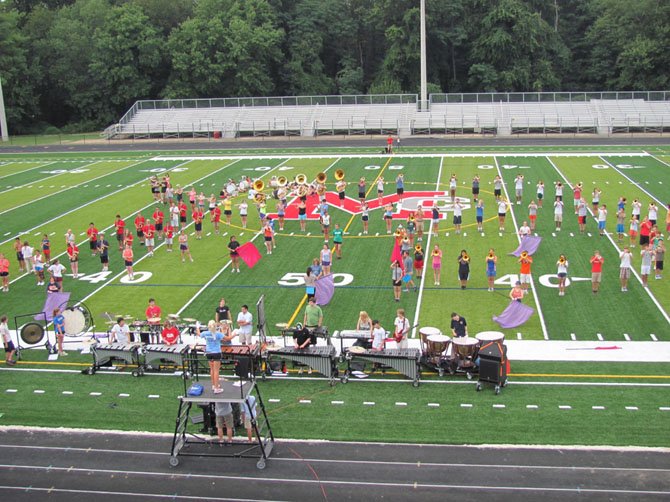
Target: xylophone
322,358
197,361
104,353
405,361
174,353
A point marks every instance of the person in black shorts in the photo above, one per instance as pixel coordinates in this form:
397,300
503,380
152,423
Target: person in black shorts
234,255
103,251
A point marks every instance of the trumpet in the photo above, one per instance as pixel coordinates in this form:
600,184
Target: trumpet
339,175
562,260
436,252
465,257
321,178
259,185
491,255
524,255
417,248
282,181
301,179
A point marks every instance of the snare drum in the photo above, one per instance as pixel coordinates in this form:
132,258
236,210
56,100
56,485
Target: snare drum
490,336
465,347
437,344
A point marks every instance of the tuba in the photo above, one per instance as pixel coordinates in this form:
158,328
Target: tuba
302,190
282,181
339,175
321,190
321,178
259,185
301,179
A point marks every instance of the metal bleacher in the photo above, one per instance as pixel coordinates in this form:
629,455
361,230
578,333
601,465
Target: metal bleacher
501,114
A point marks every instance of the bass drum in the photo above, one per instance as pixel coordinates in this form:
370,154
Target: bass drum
32,333
77,320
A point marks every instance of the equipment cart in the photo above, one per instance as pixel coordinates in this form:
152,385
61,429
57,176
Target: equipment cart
493,366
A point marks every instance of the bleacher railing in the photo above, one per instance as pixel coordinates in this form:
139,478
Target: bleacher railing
548,97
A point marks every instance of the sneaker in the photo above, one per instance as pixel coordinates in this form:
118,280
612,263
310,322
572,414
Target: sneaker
63,354
232,271
10,363
218,390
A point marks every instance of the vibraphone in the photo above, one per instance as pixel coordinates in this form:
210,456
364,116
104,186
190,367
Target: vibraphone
322,358
230,354
104,353
405,361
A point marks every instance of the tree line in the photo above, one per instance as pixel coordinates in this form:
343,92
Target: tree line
79,64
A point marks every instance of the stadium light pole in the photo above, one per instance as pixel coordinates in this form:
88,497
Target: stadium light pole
3,117
424,76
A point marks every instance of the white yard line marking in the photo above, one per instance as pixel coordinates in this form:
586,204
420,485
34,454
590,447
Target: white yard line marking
545,333
653,337
564,407
532,407
600,337
419,297
369,403
434,405
632,408
626,337
498,406
466,405
597,407
11,391
153,396
572,336
400,403
9,189
95,394
337,402
123,273
40,166
274,400
38,391
83,206
305,401
638,185
214,277
609,238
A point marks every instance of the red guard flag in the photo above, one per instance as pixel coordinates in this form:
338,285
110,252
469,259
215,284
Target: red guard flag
396,255
249,254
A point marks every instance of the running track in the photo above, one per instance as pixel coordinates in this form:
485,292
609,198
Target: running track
71,466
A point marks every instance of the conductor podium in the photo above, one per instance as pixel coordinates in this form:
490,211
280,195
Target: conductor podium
237,391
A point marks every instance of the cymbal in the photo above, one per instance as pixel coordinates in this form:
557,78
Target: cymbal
173,316
281,325
189,319
154,319
127,317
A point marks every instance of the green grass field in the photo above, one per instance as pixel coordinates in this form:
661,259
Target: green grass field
49,193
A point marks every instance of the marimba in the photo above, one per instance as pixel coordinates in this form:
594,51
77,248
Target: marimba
405,361
322,358
104,353
176,354
230,354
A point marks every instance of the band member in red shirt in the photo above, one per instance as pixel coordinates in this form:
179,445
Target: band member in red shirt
120,226
183,210
127,255
73,254
170,334
197,221
169,235
128,238
153,313
4,273
92,233
158,219
215,216
149,231
139,227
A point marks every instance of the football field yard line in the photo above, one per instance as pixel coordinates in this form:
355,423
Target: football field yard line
214,277
609,238
71,187
518,238
373,184
635,183
656,158
46,178
87,204
40,166
102,230
419,298
124,272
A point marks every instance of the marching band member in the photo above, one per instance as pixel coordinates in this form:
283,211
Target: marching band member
401,324
437,264
213,353
153,314
526,261
596,270
183,247
463,268
562,273
491,261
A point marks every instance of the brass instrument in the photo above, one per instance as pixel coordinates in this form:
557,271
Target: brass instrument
321,190
321,178
436,252
282,181
302,190
491,255
398,233
260,197
362,180
524,255
417,248
465,257
301,179
259,185
339,175
562,260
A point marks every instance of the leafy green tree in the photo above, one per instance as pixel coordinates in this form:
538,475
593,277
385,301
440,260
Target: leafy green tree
126,52
229,48
17,86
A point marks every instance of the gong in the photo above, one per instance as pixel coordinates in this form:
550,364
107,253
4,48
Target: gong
32,333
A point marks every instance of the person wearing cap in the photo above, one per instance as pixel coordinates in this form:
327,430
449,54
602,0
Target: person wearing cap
459,326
